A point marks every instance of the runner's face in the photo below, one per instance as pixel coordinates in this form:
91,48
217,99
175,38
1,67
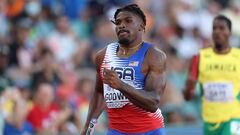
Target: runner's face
128,27
221,32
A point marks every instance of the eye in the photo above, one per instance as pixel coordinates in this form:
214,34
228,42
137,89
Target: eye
214,27
117,22
128,20
222,28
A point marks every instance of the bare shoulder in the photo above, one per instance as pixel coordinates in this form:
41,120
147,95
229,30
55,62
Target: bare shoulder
154,52
100,54
156,59
100,57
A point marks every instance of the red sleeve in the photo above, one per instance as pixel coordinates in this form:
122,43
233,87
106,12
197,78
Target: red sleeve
192,78
194,67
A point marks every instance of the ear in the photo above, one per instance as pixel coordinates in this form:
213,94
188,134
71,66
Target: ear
142,27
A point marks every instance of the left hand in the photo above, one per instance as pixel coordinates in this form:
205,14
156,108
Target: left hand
111,78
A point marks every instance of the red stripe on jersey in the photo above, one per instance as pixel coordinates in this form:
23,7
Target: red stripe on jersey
131,119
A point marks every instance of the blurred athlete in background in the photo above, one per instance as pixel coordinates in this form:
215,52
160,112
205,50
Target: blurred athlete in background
218,71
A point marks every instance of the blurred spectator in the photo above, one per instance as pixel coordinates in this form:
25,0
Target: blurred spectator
233,12
16,121
20,45
46,69
44,114
186,15
82,26
4,77
4,23
24,56
70,122
33,8
85,55
73,8
47,3
14,8
43,24
5,82
187,44
62,42
205,18
187,21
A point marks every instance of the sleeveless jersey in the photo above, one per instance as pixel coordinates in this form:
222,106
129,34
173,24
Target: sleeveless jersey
124,116
219,76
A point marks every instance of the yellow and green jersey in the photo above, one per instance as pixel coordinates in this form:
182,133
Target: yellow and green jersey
219,76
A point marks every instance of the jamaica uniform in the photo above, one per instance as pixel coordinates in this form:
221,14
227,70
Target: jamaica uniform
219,76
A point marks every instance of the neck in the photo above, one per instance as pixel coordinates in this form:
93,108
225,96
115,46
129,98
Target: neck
222,49
126,51
131,46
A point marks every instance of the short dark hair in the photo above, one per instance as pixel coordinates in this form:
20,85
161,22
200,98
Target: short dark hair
226,19
134,8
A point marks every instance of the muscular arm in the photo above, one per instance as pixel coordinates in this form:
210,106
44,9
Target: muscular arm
155,82
191,78
97,103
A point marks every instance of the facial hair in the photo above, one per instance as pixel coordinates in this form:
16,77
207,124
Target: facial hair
124,41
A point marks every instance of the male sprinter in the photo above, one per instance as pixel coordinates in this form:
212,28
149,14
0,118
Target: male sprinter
218,71
130,79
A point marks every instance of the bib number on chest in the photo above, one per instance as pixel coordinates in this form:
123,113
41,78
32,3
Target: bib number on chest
114,98
218,92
